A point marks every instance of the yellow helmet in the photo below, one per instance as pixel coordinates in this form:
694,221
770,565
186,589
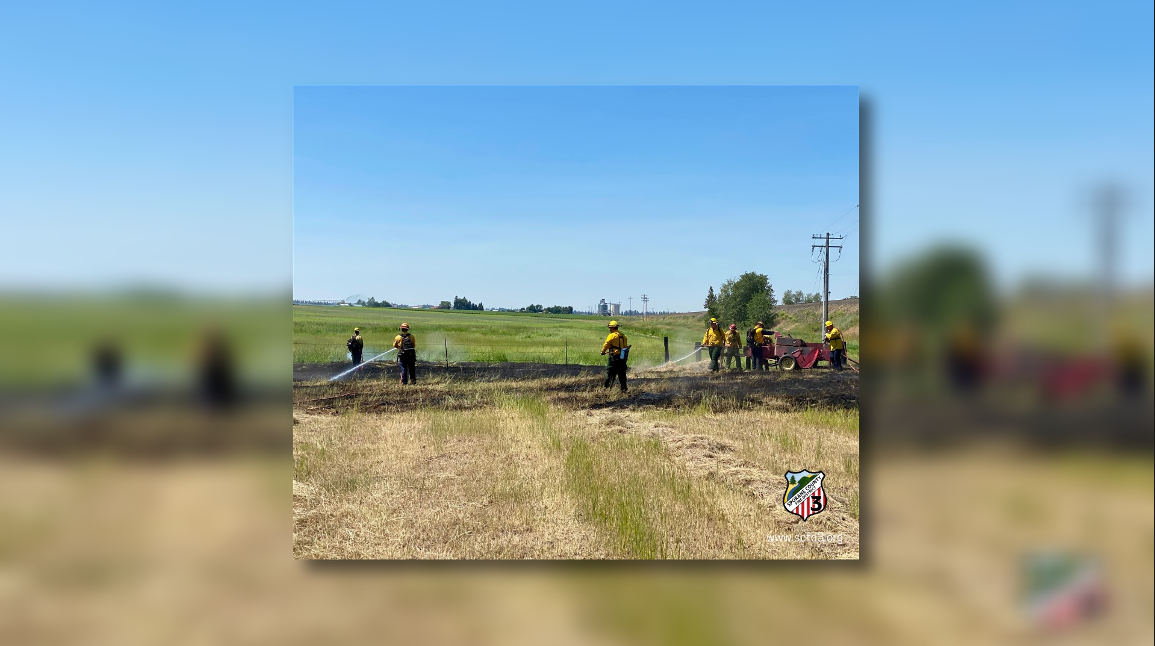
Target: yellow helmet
356,329
830,324
613,324
713,320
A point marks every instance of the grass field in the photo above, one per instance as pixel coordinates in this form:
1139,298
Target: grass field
48,341
319,333
492,462
689,465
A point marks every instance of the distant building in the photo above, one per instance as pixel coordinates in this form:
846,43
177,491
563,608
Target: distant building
609,309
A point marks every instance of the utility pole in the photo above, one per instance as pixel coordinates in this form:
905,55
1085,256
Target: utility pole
645,302
1108,203
631,303
825,274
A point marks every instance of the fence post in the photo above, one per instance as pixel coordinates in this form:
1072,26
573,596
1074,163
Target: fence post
446,342
697,350
666,346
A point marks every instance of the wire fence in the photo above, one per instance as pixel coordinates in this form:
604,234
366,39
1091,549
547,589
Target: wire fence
533,350
642,353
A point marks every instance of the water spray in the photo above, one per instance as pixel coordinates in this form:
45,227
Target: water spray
695,350
361,365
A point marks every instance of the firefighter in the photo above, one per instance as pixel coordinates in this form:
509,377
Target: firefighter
837,347
756,351
616,366
733,351
356,345
406,354
714,340
217,369
749,346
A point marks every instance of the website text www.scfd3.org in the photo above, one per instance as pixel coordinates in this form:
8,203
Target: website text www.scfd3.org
809,537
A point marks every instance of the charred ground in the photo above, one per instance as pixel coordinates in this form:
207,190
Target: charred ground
471,385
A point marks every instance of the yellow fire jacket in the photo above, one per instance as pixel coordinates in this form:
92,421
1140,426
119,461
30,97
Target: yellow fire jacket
758,336
713,337
733,340
615,341
834,338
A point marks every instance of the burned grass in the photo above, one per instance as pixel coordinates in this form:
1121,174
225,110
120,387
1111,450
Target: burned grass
686,465
579,388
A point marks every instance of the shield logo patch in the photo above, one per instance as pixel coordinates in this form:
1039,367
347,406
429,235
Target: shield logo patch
804,495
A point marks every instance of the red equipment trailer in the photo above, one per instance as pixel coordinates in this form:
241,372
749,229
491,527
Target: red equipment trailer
789,353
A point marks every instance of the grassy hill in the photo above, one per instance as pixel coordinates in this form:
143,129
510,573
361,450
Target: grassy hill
804,321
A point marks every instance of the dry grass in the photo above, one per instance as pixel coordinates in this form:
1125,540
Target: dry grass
557,469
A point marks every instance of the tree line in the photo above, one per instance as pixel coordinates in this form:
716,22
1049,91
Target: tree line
461,303
373,302
553,309
790,297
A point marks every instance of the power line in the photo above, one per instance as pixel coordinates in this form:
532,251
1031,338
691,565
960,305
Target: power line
849,225
849,229
827,227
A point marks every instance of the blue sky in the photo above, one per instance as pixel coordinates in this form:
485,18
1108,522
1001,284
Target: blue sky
153,143
564,195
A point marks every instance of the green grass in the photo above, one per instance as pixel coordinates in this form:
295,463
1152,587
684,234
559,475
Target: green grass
788,442
628,486
319,335
839,418
48,341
